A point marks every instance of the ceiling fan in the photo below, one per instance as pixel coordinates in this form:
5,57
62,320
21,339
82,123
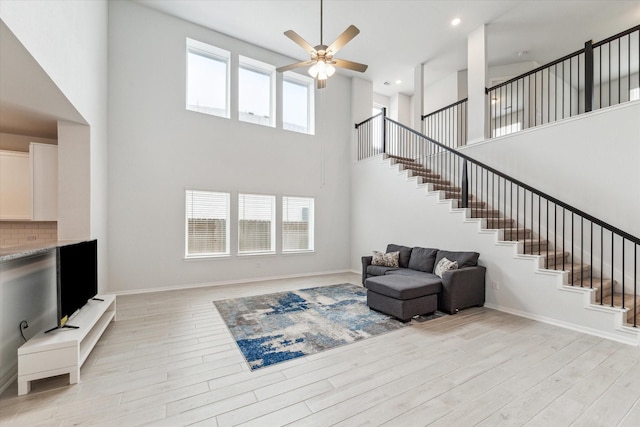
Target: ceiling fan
322,61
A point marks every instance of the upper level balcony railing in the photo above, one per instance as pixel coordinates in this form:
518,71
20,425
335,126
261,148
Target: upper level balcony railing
599,75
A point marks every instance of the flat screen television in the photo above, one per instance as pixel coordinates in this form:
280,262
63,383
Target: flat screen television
77,278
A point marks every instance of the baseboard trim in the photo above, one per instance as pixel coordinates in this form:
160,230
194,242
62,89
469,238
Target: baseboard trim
631,337
225,282
9,378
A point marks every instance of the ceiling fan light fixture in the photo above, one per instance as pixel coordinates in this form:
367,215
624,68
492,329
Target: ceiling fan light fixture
321,70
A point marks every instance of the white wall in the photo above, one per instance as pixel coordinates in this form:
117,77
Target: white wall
589,161
401,109
69,41
74,193
381,100
440,94
158,149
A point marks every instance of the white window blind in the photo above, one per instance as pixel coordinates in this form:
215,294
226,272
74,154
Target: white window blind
297,103
256,223
207,223
207,79
256,82
297,224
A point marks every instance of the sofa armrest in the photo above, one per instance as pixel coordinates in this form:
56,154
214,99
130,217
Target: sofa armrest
366,261
462,288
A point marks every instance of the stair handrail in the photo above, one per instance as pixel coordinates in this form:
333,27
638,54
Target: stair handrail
444,108
533,190
369,119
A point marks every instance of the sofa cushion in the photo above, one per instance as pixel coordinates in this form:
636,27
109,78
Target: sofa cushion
411,273
404,287
464,259
423,259
405,254
378,270
389,259
445,265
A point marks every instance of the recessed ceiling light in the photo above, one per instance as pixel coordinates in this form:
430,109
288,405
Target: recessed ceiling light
398,82
455,22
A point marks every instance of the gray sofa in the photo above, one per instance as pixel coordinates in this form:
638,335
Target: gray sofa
412,288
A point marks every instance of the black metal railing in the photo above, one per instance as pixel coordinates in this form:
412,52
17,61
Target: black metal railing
370,136
447,125
595,253
599,75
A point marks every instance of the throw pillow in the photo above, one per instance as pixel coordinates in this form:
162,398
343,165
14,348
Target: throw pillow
445,265
386,260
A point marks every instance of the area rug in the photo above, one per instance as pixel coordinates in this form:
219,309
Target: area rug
277,327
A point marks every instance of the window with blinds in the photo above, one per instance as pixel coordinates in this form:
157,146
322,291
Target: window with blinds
256,224
297,224
207,224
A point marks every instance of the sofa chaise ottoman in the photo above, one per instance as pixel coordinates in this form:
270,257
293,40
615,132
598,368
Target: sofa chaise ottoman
403,296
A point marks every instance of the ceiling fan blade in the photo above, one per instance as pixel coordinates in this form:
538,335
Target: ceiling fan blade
292,66
300,41
344,38
350,65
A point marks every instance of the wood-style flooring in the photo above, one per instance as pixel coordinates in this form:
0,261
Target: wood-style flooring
169,360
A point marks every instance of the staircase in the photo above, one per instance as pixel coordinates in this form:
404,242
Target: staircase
529,242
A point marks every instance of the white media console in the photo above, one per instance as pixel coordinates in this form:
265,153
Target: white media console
63,351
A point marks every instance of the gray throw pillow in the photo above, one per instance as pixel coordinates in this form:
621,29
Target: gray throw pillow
423,259
405,254
464,259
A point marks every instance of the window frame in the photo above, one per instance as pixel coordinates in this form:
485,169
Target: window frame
214,53
253,65
272,234
227,251
310,224
305,81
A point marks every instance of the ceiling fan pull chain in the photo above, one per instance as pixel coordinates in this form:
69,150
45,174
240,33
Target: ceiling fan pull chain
321,22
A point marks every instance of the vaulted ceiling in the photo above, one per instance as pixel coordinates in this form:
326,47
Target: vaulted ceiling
397,35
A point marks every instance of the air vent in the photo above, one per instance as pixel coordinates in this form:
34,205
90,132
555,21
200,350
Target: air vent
387,84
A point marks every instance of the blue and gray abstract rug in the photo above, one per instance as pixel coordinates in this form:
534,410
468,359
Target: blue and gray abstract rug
277,327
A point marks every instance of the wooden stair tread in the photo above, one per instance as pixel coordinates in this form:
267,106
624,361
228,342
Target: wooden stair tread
587,282
489,213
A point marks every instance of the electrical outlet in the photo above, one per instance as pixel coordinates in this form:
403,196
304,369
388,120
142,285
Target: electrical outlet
495,285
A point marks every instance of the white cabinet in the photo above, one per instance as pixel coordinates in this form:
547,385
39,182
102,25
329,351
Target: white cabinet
29,184
44,181
15,182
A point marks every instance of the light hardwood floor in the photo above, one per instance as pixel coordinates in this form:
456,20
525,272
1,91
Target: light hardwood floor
169,360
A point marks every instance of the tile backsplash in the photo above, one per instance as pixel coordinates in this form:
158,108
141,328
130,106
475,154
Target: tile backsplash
13,233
